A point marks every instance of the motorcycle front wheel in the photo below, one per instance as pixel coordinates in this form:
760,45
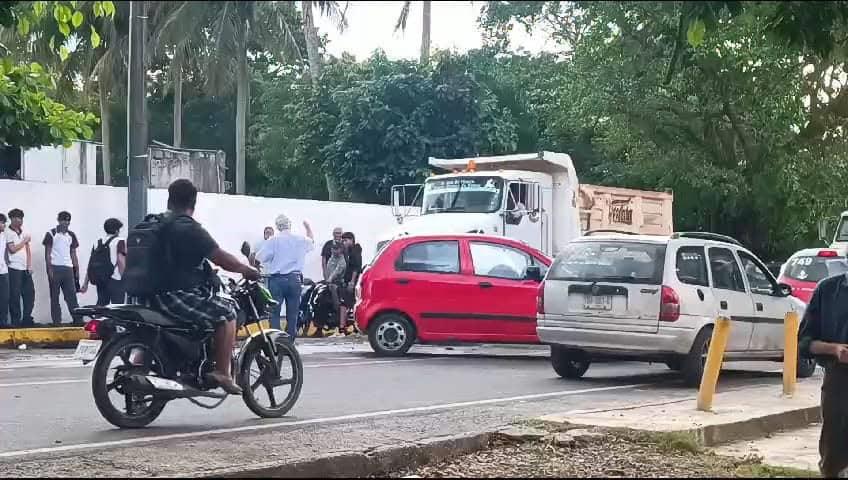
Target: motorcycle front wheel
121,357
278,392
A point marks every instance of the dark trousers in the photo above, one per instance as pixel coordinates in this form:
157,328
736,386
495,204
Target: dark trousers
833,445
64,280
112,292
21,297
286,288
4,299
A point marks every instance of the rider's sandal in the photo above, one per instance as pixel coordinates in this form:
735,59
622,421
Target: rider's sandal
225,382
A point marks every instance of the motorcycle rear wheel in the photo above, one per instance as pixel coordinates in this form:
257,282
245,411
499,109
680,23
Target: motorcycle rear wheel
131,416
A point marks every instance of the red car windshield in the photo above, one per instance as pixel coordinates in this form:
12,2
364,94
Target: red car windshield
815,269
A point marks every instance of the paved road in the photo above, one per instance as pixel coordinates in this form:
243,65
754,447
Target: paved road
46,404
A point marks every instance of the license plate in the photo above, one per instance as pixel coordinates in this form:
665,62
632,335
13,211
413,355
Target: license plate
87,350
598,303
165,384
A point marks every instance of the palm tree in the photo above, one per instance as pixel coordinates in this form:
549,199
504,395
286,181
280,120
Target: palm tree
103,64
425,27
310,32
224,32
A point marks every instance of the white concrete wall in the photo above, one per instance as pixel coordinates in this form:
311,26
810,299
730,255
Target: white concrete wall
231,219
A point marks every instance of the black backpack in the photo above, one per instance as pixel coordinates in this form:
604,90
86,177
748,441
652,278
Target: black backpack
149,263
100,266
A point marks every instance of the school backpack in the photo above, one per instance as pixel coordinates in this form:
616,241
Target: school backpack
100,266
149,263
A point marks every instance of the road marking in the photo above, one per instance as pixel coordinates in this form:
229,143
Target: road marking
318,365
314,421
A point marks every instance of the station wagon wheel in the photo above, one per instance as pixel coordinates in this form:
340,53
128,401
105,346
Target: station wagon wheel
693,363
391,334
571,364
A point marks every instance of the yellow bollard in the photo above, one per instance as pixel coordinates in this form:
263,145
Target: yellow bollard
712,367
790,353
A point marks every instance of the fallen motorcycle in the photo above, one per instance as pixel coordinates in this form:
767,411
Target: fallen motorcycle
143,360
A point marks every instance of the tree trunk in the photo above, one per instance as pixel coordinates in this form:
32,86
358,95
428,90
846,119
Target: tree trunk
105,134
314,57
178,102
312,42
425,34
242,92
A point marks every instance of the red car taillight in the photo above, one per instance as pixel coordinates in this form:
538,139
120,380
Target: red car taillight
540,299
669,305
91,328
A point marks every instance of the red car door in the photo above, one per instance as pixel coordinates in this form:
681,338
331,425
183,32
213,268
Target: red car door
504,303
429,284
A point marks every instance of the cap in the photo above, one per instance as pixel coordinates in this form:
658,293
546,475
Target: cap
283,222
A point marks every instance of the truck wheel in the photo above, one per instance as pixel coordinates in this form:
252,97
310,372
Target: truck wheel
571,364
391,335
693,363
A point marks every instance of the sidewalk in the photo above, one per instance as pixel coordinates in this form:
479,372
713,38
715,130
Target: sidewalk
741,414
795,449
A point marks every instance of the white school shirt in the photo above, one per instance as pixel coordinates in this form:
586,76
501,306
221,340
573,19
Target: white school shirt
17,261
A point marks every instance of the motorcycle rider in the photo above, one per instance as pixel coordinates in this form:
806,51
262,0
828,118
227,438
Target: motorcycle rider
191,297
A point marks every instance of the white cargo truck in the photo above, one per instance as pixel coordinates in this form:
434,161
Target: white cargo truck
528,197
533,197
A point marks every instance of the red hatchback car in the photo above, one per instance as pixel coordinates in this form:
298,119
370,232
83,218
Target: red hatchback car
450,288
805,269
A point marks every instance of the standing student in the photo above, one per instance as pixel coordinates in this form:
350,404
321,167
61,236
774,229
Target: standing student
60,257
326,250
106,265
21,288
4,277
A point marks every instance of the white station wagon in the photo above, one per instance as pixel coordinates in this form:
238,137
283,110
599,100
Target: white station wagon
656,298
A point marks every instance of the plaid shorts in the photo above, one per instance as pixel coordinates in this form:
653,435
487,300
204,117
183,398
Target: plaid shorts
198,306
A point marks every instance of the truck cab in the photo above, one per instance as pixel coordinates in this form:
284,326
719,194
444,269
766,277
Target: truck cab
840,237
528,197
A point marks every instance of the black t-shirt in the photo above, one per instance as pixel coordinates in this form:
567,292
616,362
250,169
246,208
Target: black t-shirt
326,250
190,245
354,262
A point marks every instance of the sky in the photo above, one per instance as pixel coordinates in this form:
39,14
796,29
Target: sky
454,26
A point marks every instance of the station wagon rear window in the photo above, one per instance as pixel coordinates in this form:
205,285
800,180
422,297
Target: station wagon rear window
610,261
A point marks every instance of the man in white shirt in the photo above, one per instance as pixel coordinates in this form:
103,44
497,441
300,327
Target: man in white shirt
283,256
4,277
60,257
21,288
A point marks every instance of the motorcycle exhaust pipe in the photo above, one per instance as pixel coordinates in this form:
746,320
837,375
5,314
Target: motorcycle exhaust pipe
150,384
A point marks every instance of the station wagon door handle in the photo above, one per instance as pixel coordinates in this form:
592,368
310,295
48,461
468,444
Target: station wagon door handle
402,281
701,294
485,285
723,305
759,307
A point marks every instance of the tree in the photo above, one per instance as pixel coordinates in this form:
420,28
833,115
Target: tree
32,118
742,130
425,27
333,11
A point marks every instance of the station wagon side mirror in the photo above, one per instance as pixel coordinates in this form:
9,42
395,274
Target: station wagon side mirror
534,273
784,290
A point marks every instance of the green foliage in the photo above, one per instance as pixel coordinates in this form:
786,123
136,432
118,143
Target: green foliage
29,117
374,124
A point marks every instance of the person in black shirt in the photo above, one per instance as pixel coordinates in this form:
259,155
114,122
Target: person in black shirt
190,296
824,336
353,255
326,250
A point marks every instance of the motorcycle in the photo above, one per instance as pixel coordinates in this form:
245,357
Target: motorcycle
150,359
317,308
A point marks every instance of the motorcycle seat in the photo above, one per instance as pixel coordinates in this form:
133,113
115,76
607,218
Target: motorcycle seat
142,314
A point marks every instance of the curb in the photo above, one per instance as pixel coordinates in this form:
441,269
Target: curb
375,461
749,429
49,336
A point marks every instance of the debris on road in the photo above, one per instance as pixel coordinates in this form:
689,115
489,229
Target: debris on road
583,453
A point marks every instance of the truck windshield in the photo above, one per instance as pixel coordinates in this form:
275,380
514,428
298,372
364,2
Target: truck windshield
463,194
842,230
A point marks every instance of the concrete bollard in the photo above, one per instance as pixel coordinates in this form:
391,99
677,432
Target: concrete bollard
712,367
790,353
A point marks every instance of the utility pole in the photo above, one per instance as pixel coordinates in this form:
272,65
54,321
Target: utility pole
137,143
